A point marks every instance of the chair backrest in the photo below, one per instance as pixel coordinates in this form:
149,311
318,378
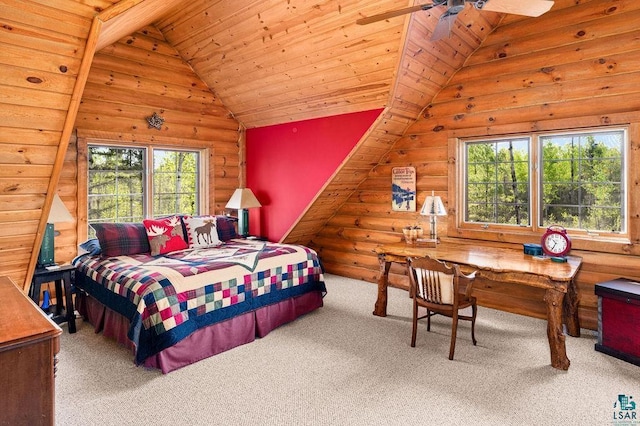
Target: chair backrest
435,281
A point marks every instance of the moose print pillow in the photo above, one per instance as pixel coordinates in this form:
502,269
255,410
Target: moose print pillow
201,231
165,235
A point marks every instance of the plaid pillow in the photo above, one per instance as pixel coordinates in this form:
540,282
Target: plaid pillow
118,239
226,227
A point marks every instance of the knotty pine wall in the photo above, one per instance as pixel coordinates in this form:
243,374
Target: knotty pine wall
129,81
576,67
42,44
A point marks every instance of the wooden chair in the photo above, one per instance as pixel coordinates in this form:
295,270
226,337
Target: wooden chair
441,289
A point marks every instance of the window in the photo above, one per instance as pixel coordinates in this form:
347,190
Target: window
127,184
576,180
497,189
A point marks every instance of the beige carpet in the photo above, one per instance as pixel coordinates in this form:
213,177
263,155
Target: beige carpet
341,365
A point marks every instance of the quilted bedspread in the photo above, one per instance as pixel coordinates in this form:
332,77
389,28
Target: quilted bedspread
168,297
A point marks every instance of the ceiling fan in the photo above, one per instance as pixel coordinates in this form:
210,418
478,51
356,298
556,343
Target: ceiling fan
531,8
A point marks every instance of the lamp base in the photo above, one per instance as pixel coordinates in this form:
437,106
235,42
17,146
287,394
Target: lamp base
243,222
47,249
427,242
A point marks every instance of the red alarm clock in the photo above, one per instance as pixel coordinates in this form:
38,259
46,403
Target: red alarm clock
555,241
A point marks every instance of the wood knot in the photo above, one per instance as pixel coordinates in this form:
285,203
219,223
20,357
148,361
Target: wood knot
34,80
438,128
63,68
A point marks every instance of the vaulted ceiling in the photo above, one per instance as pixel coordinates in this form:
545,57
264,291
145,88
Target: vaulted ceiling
267,61
278,61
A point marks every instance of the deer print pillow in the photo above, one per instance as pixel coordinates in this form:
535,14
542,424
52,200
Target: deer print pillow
165,235
201,231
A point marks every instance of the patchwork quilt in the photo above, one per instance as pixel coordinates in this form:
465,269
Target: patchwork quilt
168,297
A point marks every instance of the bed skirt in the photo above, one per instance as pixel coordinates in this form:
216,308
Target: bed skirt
204,342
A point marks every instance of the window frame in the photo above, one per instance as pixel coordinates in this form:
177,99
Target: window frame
502,232
149,148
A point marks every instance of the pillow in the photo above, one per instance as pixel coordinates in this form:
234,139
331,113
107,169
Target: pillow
165,235
118,239
226,227
91,246
201,231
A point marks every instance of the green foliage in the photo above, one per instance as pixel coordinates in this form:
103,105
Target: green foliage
498,182
117,185
582,181
175,181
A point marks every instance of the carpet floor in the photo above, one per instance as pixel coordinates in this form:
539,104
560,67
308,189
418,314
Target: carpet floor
341,365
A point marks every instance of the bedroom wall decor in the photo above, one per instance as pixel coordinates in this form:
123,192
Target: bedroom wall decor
155,121
403,189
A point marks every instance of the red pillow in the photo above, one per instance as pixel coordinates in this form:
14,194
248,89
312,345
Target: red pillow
165,235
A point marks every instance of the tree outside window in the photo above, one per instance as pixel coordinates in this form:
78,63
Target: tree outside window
578,180
128,184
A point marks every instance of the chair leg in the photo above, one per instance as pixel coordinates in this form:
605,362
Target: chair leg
454,332
415,324
428,320
474,308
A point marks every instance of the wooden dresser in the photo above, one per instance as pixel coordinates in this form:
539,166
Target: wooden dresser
29,342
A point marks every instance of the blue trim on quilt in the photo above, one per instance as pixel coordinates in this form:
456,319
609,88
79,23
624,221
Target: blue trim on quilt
149,343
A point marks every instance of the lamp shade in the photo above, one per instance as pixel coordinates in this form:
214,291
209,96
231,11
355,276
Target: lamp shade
243,198
433,206
59,212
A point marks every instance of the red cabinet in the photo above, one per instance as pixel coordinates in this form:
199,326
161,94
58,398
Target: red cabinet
619,319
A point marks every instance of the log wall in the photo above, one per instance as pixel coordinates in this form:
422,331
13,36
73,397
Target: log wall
40,62
574,67
129,81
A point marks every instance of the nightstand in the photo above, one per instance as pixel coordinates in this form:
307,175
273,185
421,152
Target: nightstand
62,276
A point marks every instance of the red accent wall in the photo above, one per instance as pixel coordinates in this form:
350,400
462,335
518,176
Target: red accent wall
287,164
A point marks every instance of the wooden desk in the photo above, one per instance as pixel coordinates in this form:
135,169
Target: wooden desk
505,265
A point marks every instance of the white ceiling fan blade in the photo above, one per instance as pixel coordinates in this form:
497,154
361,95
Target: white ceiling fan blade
532,8
443,29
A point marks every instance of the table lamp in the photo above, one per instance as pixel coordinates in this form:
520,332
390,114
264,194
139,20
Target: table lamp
433,207
58,214
243,199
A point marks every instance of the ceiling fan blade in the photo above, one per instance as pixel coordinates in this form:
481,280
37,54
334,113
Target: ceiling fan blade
393,13
532,8
443,28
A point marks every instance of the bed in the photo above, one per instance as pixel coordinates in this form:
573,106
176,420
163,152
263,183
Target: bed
182,305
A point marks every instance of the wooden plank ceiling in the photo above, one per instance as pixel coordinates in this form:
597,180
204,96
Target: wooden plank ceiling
273,61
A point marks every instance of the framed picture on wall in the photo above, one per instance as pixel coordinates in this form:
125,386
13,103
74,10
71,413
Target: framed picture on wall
403,189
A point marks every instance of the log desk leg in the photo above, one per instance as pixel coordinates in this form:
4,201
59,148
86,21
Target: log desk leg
381,303
555,334
562,307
